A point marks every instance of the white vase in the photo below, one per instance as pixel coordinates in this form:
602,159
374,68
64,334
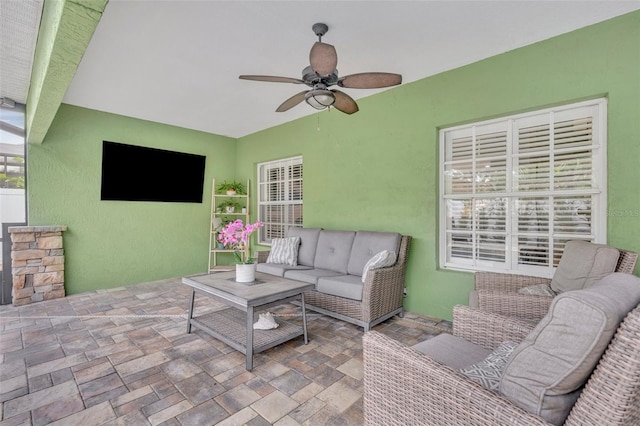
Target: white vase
245,272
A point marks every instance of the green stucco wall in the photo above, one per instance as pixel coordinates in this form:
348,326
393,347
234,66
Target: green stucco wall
375,170
378,169
112,243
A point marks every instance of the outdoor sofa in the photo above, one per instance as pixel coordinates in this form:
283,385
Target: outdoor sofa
359,276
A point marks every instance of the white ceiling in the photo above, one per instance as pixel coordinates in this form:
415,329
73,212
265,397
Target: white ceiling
177,62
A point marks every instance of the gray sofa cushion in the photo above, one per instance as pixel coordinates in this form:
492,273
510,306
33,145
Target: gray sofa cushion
452,350
348,286
309,275
366,244
583,264
308,243
333,250
278,269
547,370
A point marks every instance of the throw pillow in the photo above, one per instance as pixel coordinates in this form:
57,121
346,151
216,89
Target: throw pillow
489,371
284,251
538,290
583,264
379,260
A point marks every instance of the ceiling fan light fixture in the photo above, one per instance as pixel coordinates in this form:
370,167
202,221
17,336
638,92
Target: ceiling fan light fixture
320,98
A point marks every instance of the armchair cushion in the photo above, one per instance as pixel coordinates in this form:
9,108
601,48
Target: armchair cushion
451,350
583,264
547,370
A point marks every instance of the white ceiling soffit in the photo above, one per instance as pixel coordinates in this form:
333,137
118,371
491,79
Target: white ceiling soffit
178,62
19,23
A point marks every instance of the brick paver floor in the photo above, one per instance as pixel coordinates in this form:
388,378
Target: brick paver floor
122,357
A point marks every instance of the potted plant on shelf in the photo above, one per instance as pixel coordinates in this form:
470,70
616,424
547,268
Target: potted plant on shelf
228,206
235,235
231,188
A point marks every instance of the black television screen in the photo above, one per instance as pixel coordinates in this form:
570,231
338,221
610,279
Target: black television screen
137,173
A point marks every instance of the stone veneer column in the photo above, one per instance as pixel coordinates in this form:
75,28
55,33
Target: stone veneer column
37,263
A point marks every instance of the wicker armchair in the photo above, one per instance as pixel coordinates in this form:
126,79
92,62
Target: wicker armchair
405,387
498,292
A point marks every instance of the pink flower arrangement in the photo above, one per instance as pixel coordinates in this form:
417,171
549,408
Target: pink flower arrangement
236,235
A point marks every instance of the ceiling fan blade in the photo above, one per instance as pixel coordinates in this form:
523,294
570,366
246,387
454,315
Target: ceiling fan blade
323,58
272,78
370,80
344,103
292,101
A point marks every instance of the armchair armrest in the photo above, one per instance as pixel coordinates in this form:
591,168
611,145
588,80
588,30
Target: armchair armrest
488,329
527,307
405,387
496,281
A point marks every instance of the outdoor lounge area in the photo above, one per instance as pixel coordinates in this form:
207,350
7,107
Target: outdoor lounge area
319,213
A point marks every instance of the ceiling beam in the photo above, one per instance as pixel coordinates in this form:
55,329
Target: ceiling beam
65,31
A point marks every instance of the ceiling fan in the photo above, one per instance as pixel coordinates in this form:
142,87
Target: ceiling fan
322,74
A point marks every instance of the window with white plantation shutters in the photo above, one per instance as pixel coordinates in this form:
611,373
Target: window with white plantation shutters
516,189
279,197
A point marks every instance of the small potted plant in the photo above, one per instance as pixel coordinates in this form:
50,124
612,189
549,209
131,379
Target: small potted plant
235,235
228,206
230,188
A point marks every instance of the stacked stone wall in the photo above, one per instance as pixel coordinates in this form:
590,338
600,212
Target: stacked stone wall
37,263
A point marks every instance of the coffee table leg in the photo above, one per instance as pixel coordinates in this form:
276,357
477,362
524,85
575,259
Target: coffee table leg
304,319
249,346
191,300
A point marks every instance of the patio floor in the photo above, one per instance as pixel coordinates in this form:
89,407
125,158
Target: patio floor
122,357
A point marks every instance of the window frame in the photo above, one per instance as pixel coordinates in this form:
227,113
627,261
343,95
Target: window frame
288,203
514,197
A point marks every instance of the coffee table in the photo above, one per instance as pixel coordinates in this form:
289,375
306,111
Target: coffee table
234,325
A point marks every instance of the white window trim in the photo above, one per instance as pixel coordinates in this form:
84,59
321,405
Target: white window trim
599,206
261,202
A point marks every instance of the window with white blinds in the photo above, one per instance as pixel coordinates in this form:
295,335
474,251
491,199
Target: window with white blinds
279,197
516,189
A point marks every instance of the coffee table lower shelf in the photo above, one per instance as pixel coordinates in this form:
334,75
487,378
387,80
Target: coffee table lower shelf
230,326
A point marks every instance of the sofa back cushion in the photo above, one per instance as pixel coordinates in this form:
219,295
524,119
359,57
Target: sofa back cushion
367,244
333,250
583,264
547,370
308,243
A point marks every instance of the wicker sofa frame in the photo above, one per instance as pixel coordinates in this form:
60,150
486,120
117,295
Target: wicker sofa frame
498,292
382,294
405,387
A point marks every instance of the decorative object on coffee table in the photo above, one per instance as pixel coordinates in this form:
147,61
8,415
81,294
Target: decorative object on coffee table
235,235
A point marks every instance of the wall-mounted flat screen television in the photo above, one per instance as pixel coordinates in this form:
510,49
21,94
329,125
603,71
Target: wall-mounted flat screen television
137,173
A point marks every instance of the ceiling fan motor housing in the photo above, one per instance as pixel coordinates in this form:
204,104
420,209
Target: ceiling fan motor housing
311,77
